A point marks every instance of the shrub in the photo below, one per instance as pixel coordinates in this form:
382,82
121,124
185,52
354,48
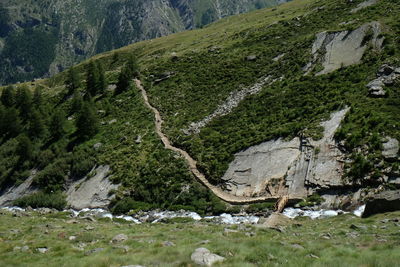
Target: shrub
126,205
53,176
42,200
82,163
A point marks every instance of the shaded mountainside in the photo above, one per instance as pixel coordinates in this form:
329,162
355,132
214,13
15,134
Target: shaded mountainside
265,105
41,38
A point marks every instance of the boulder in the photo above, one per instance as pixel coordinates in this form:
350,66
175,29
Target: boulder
276,220
92,251
251,58
385,69
386,201
203,256
174,56
376,88
97,146
168,244
119,238
390,148
42,250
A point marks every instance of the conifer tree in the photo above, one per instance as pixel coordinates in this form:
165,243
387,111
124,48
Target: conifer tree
133,66
8,96
124,81
73,82
128,72
102,82
37,97
77,102
92,79
37,127
87,123
11,122
2,126
24,148
24,102
57,124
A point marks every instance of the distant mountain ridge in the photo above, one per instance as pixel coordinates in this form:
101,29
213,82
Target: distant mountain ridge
41,38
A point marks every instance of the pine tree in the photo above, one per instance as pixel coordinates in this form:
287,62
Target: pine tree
2,113
57,124
133,66
11,123
73,82
102,82
124,81
8,96
87,123
24,148
128,72
92,79
37,97
23,102
37,127
77,103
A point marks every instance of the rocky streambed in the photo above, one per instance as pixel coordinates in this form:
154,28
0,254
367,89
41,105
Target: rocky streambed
157,216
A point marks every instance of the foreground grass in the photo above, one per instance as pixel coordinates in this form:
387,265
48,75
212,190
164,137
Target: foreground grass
341,241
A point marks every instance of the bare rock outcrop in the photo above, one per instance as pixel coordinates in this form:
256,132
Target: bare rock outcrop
15,192
91,192
294,168
386,201
334,50
363,5
390,148
386,76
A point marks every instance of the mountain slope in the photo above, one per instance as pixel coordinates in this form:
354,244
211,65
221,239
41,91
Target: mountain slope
309,100
42,38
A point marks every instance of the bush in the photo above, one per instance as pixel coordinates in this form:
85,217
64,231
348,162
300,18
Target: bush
260,207
82,163
42,200
53,176
312,200
126,205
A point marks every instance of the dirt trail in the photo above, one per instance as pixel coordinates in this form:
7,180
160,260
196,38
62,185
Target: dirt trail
193,164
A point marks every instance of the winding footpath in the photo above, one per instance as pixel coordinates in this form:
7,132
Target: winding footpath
225,196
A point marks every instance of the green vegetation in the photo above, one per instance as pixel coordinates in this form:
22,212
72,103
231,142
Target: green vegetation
42,200
312,200
204,67
39,38
33,50
344,240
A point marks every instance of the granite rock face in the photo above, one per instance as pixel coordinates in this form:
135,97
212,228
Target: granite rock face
363,5
334,50
293,168
93,192
15,192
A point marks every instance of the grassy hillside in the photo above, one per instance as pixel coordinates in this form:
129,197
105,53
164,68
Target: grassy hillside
41,38
206,65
